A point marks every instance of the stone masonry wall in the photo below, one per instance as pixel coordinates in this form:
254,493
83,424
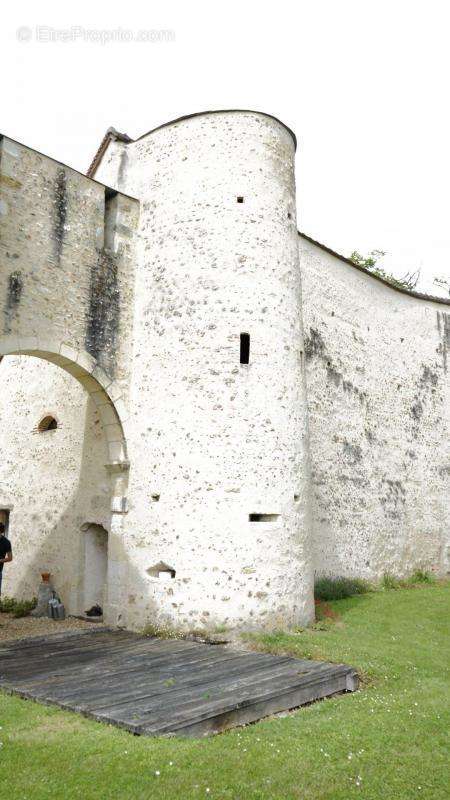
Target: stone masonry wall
67,268
379,410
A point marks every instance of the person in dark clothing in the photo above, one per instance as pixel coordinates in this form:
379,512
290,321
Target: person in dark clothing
5,551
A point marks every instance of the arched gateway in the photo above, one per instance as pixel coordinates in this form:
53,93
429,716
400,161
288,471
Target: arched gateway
66,288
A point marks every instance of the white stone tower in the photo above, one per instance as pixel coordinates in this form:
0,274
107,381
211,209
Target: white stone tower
217,529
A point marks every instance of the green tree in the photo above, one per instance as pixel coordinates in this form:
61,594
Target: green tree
370,263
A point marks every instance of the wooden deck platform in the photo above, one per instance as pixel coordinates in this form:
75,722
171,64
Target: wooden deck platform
157,687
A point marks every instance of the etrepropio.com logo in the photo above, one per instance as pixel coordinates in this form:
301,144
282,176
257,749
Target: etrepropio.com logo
24,34
77,33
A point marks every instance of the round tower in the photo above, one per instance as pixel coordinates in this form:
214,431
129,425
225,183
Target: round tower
217,531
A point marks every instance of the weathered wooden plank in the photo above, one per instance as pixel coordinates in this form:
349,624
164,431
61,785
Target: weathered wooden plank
118,668
158,681
31,641
68,685
241,696
162,654
159,685
188,698
46,656
53,663
255,709
60,641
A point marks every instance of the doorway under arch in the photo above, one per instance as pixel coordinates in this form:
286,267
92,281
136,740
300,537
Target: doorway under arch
95,567
83,591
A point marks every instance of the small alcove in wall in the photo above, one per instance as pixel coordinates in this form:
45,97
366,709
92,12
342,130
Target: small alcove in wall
95,566
257,517
162,571
47,423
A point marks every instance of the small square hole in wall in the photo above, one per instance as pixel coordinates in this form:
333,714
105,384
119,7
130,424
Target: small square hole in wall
239,199
296,498
289,215
263,517
155,498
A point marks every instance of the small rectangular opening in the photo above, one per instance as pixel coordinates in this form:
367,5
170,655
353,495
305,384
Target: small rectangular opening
245,348
263,517
239,199
110,219
4,517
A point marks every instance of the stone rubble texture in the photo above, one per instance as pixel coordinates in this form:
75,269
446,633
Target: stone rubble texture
122,315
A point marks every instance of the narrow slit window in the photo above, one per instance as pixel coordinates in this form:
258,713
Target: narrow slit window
110,218
245,348
263,517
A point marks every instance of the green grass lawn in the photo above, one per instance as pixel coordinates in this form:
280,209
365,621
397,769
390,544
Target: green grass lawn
387,741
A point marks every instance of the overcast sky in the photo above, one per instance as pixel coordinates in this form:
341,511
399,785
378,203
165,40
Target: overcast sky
365,86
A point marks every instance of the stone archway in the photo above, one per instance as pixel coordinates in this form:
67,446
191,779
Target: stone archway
108,400
105,393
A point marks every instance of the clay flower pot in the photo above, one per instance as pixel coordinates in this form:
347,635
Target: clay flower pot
45,577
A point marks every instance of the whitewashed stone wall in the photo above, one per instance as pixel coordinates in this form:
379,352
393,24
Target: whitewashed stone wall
378,365
215,440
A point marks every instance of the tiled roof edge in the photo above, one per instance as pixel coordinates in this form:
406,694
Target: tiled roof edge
111,135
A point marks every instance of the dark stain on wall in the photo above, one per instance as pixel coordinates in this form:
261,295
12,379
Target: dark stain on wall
333,375
13,295
370,436
417,410
428,377
104,312
426,388
352,451
443,326
122,167
349,387
314,344
60,214
315,348
393,499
